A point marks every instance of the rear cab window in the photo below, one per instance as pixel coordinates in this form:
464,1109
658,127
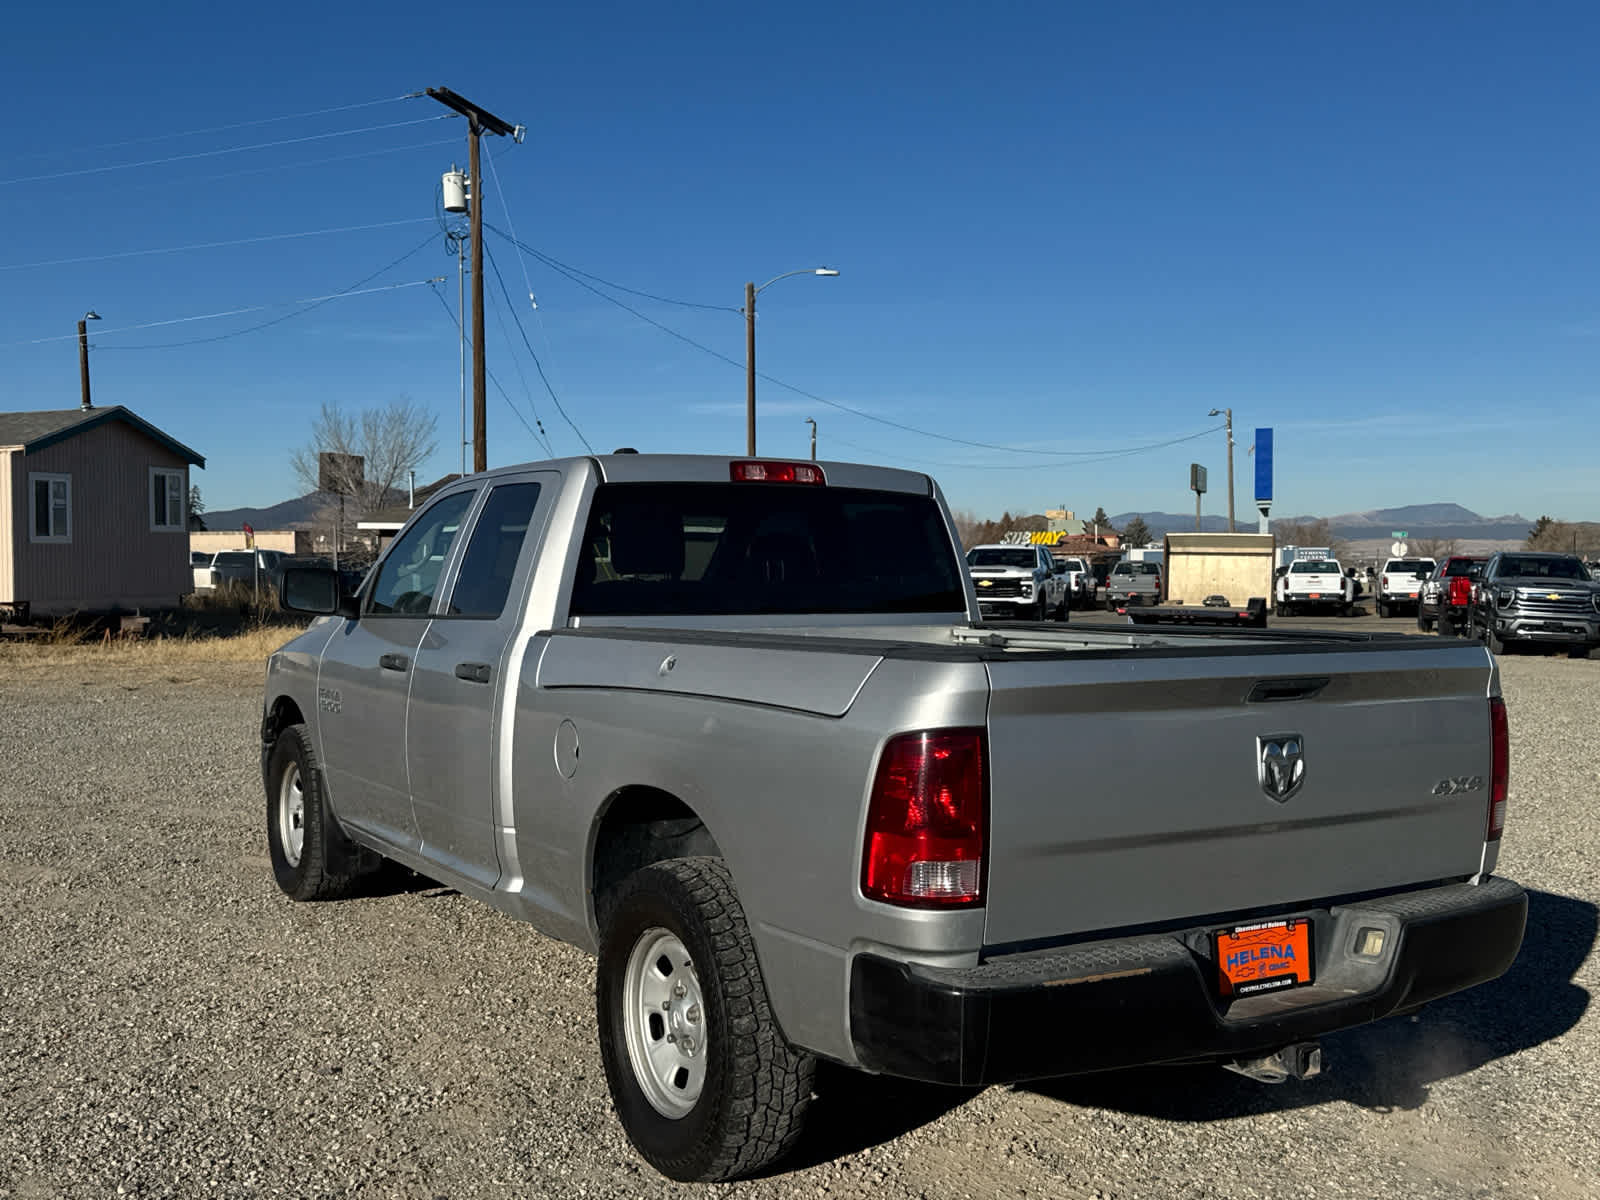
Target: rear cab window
686,549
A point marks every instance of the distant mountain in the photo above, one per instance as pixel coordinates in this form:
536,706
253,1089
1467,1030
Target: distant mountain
1418,520
299,513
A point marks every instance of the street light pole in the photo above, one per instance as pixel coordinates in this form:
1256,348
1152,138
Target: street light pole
1229,412
750,292
83,354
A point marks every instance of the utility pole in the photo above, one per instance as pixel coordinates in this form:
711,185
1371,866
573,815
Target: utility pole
479,121
813,425
1229,413
83,354
750,368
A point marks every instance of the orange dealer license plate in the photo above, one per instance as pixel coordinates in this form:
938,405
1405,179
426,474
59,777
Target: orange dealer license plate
1263,957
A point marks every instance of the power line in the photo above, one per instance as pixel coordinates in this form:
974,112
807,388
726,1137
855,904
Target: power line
166,137
505,395
522,378
289,166
156,162
518,320
1098,456
312,307
866,416
569,271
232,312
249,241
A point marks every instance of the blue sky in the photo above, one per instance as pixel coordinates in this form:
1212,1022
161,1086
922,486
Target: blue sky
1069,230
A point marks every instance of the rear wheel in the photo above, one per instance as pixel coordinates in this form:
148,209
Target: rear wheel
705,1085
1425,624
1383,610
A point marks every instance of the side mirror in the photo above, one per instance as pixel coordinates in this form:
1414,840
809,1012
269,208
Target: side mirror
314,590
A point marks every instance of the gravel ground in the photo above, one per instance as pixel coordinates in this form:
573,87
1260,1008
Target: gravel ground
170,1025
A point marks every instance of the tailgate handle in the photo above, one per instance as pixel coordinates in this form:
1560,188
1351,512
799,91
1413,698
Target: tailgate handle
394,662
473,672
1267,691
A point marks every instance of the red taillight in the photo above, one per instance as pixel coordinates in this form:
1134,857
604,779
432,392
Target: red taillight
751,471
925,821
1460,590
1499,767
1383,581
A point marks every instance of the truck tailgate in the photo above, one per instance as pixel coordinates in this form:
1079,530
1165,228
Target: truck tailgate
1125,791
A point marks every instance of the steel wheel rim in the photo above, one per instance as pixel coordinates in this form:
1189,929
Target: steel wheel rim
664,1023
292,815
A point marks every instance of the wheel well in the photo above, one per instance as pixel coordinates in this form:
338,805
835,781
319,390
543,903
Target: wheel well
283,713
640,826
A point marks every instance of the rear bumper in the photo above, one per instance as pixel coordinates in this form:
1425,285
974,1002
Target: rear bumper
1134,1001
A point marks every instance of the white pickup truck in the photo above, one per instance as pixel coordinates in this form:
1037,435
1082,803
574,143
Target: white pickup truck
1314,581
688,713
1080,582
1019,581
1400,585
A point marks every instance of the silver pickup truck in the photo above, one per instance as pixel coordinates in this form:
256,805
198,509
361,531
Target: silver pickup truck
685,713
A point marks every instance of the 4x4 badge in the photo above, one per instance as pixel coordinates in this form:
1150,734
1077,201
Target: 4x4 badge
1281,764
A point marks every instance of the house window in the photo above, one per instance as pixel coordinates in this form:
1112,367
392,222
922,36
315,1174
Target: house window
166,499
50,507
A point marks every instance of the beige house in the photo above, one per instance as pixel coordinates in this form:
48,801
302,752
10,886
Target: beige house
94,512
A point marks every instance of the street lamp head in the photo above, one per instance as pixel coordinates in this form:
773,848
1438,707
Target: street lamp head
826,271
91,315
1215,412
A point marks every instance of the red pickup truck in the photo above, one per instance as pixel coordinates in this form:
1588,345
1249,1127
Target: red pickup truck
1447,593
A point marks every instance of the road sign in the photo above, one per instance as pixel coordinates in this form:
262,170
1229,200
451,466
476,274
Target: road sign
1398,549
1399,535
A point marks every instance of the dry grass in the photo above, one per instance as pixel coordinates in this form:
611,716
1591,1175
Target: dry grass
68,645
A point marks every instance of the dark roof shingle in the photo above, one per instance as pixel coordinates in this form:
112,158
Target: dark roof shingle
36,430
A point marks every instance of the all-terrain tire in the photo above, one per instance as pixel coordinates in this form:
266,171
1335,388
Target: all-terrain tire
747,1106
310,858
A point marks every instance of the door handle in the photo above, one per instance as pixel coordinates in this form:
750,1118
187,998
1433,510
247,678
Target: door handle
394,662
473,672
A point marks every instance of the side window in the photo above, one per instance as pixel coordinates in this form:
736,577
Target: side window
484,581
166,499
410,572
50,498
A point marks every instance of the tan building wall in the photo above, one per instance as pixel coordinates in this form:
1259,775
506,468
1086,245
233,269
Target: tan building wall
290,541
7,591
115,559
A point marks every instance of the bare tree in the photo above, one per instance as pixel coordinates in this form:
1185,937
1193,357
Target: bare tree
1565,537
1435,548
1316,532
390,442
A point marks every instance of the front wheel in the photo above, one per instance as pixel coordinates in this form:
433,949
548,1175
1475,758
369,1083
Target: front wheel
1493,640
705,1085
310,858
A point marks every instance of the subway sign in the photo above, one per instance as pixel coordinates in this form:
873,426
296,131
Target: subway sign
1023,537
